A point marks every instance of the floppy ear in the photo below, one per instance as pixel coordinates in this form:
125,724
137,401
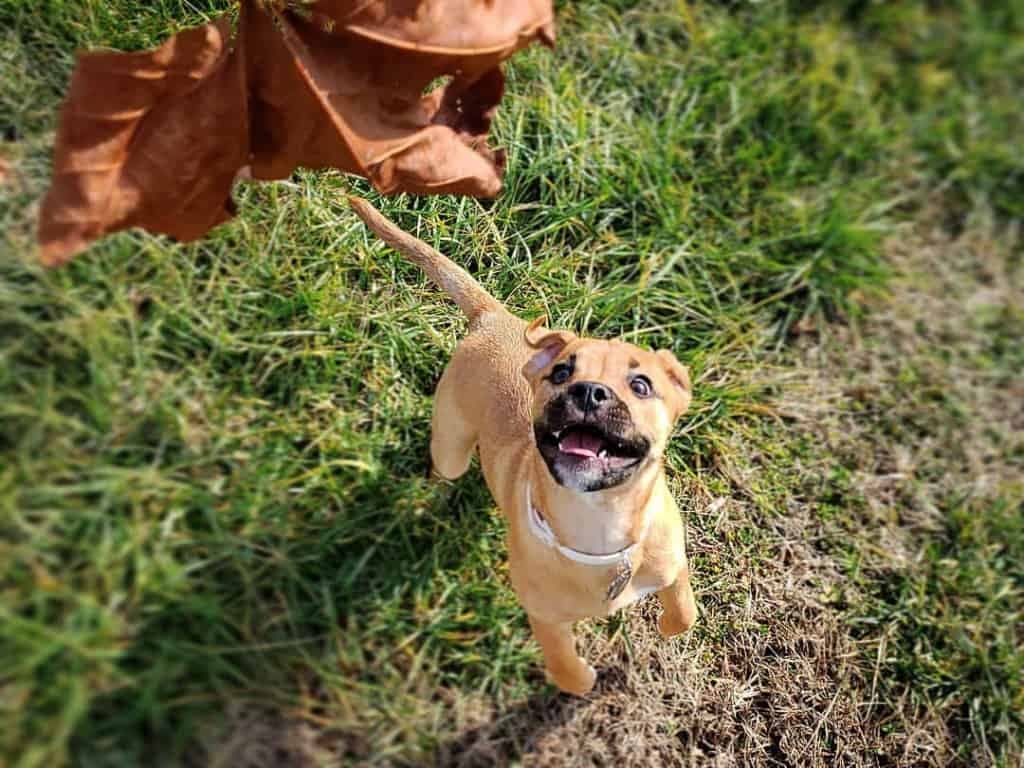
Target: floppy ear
548,346
680,378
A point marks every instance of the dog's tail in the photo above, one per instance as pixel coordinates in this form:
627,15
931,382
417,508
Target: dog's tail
449,276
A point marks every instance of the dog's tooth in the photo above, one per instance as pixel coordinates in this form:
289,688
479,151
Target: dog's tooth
603,453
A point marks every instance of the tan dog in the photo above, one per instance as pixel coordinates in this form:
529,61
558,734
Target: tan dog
571,434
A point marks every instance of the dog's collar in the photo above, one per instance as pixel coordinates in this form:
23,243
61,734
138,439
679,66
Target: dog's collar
620,560
539,527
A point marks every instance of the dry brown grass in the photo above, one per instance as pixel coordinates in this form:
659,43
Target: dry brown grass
767,680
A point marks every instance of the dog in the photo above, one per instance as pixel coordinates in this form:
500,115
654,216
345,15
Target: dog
571,434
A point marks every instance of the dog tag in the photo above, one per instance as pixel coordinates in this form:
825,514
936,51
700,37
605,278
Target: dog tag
623,573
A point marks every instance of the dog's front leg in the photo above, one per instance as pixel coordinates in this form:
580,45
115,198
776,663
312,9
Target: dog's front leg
566,669
680,609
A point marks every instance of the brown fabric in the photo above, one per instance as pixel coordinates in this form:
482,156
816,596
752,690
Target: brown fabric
155,139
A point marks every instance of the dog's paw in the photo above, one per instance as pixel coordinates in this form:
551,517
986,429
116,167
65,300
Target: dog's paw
579,681
671,626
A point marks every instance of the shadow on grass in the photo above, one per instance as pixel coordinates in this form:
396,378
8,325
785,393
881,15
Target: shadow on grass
516,731
282,588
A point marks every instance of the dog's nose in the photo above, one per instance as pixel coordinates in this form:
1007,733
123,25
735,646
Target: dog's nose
589,395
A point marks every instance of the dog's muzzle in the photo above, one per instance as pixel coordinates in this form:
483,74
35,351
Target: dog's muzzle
587,438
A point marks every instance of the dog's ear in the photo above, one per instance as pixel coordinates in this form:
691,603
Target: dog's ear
680,378
548,346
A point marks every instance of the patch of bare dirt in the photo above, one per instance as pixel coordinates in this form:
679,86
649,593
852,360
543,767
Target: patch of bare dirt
258,737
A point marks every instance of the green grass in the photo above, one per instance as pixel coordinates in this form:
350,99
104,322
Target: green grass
954,625
953,622
212,455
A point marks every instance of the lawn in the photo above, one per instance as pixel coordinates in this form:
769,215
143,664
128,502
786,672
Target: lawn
219,545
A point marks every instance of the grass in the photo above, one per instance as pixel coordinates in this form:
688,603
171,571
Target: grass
212,498
947,624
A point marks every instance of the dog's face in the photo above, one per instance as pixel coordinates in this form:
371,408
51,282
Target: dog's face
602,410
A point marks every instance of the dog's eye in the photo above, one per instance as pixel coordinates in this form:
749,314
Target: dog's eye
641,386
560,374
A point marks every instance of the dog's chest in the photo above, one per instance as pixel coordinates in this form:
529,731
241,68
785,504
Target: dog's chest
575,592
563,584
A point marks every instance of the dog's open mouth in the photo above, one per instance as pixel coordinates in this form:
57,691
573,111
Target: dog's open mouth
590,443
589,451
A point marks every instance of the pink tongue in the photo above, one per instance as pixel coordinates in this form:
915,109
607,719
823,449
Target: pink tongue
580,444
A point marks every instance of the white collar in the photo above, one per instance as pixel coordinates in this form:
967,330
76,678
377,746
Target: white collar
539,527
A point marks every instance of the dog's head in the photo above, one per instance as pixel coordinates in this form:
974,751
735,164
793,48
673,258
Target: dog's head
602,410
